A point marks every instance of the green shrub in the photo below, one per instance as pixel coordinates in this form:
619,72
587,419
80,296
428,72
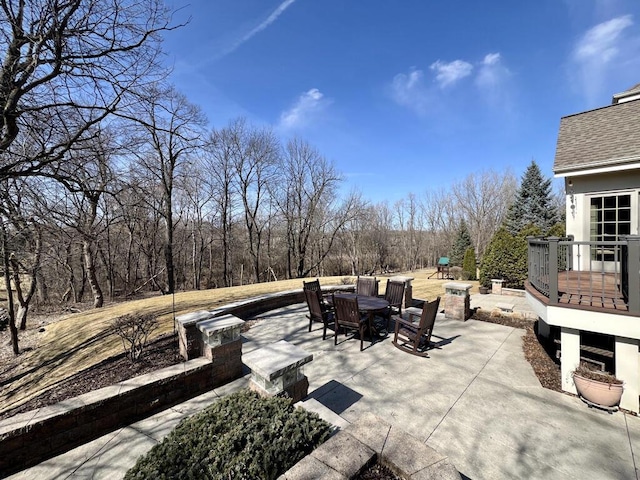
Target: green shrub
242,436
506,258
456,273
469,264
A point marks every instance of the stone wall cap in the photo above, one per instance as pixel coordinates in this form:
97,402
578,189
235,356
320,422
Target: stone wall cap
457,286
401,278
273,360
194,317
219,324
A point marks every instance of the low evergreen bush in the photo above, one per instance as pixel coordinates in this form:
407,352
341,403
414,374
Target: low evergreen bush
242,436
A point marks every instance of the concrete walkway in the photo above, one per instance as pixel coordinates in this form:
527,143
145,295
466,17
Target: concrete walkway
475,400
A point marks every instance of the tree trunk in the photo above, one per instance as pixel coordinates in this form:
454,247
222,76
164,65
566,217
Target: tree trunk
89,262
168,254
7,282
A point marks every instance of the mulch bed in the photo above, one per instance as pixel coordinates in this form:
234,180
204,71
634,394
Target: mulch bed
161,353
164,352
377,472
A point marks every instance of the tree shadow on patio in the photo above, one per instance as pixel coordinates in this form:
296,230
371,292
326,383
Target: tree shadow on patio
335,396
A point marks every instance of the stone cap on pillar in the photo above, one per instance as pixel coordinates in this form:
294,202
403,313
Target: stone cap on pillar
219,324
274,360
457,288
193,317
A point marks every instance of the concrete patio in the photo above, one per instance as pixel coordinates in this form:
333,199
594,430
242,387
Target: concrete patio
475,400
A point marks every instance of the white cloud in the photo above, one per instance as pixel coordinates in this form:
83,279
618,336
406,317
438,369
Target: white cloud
601,43
596,51
410,91
306,107
492,80
492,73
264,24
450,73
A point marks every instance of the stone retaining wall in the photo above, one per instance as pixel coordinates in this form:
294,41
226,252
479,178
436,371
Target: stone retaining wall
29,438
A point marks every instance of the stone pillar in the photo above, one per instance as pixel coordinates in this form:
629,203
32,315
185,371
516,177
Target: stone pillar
221,343
457,303
627,369
569,356
408,289
277,370
496,286
189,337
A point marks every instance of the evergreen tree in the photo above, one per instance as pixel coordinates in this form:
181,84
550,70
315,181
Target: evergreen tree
469,264
533,204
506,258
460,245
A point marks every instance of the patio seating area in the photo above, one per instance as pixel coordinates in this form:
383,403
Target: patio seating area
475,400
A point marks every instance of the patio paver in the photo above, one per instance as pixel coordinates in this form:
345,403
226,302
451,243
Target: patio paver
475,400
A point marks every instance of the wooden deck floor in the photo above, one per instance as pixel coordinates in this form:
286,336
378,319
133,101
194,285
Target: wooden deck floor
587,291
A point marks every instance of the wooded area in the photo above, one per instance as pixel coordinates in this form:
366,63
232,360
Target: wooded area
113,183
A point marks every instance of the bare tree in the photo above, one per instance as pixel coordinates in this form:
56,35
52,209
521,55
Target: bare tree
17,203
218,160
483,200
255,155
86,176
67,65
306,195
171,129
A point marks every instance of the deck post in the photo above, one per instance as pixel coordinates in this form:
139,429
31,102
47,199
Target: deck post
627,369
553,270
633,271
569,356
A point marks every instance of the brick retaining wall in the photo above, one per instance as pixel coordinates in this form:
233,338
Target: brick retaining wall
29,438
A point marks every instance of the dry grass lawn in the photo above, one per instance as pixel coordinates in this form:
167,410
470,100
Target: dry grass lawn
81,340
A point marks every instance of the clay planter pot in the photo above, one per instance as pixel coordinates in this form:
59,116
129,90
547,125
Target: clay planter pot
601,394
483,290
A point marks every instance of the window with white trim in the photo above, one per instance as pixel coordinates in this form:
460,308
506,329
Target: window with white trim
610,218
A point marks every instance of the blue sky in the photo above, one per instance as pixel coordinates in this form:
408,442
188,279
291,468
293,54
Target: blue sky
407,96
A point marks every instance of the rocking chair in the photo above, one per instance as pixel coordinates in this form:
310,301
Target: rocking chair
415,338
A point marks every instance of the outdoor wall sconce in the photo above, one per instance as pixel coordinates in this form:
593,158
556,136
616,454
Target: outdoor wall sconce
572,198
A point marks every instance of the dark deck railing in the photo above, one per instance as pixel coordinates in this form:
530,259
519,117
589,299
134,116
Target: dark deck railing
587,274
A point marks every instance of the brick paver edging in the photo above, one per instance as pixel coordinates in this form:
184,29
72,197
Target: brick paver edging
366,441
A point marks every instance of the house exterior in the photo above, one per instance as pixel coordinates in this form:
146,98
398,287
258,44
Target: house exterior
587,286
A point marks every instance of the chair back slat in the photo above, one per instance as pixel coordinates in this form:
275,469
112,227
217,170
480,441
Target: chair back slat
428,318
394,293
313,302
366,286
312,285
346,311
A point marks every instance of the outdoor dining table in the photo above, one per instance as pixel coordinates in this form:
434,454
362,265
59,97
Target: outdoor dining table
366,304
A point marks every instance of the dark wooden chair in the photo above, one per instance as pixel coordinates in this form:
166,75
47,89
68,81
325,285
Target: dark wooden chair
415,337
347,316
394,294
317,312
314,285
367,286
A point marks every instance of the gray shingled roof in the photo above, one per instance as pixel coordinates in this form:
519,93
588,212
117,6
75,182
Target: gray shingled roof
599,138
633,90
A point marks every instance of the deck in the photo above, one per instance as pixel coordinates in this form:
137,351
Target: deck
594,291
